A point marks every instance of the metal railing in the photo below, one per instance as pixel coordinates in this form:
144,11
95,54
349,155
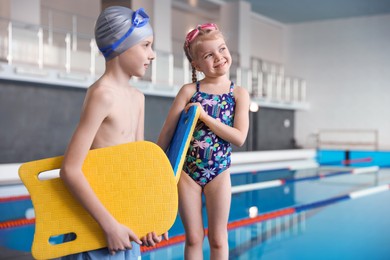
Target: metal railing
270,83
71,52
44,47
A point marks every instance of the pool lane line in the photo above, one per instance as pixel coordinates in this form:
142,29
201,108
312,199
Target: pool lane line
235,189
242,222
17,223
259,171
248,187
357,160
281,182
349,161
14,198
280,213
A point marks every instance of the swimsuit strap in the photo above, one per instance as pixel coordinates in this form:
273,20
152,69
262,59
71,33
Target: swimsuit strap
231,88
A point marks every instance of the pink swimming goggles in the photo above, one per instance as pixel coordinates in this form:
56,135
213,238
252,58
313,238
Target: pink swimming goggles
192,34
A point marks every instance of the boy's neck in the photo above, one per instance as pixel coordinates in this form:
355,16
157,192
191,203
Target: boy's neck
115,73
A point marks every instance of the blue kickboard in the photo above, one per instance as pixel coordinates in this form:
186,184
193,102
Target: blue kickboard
180,142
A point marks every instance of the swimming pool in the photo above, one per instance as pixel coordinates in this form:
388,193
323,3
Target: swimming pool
337,229
345,229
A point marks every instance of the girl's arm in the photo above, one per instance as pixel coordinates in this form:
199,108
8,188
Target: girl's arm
96,109
177,107
238,133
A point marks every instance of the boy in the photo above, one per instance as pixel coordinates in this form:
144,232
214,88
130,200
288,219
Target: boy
112,114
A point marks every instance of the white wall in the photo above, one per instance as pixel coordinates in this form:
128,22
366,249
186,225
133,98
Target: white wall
183,22
346,64
29,13
267,38
86,11
5,9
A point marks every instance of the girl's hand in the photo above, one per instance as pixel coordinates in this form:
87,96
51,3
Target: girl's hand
202,115
119,237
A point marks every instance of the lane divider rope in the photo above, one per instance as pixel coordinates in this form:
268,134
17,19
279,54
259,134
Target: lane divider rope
280,213
281,182
242,222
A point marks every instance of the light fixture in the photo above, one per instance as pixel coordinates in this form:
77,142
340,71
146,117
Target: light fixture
253,212
253,107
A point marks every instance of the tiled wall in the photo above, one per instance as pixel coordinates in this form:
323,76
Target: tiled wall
38,120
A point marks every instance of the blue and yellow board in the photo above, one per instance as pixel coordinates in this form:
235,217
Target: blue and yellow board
120,176
181,139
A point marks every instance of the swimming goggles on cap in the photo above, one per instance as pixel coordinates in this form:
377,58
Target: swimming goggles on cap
138,20
192,34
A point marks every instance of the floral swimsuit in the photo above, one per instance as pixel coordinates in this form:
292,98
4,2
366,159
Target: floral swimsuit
208,154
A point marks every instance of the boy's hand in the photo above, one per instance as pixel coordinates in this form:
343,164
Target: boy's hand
119,238
151,239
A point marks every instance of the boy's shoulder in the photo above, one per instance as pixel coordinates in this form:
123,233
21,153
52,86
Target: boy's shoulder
136,91
101,88
101,91
136,96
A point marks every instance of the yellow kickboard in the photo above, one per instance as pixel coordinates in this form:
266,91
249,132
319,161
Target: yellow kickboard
134,181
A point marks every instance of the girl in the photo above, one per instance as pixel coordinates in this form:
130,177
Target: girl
224,119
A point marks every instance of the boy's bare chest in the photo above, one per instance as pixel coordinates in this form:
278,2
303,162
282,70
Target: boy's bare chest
124,117
122,122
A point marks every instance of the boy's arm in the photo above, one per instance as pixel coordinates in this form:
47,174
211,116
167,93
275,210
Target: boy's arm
236,134
95,111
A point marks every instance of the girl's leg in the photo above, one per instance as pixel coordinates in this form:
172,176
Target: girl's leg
218,197
190,208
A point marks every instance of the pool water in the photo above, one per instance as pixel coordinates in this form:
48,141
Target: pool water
349,229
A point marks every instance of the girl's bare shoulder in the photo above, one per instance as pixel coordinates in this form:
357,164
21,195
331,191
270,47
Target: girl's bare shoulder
187,90
241,92
189,87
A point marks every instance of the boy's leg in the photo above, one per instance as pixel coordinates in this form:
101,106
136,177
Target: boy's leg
190,208
104,254
135,252
218,197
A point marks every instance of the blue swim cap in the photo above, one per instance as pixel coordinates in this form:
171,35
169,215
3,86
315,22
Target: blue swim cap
118,28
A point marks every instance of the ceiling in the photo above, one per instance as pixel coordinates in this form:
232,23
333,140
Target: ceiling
297,11
283,11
